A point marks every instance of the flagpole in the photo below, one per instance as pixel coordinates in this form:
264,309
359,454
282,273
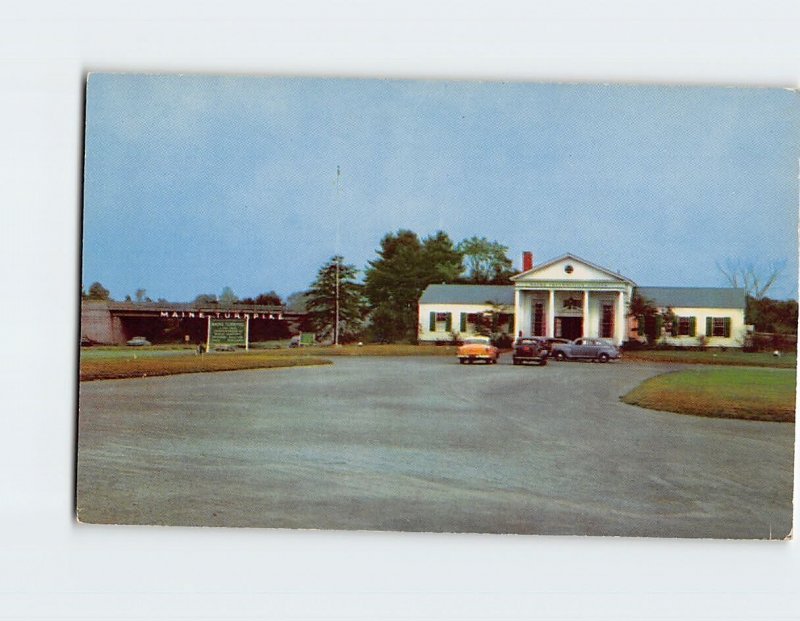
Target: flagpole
336,324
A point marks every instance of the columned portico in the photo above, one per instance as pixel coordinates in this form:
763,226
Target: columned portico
571,298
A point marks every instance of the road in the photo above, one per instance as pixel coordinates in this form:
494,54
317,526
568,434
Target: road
426,444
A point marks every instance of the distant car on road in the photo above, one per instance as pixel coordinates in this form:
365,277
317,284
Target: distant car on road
139,341
587,349
531,350
478,348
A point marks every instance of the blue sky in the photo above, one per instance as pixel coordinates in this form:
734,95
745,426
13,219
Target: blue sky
195,183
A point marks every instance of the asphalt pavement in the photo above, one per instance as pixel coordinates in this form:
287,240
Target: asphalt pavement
426,444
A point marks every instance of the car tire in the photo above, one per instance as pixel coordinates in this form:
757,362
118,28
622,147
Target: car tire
603,357
543,362
516,362
461,361
560,356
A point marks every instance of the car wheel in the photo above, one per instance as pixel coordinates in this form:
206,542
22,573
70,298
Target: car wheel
560,356
543,362
603,357
461,361
516,362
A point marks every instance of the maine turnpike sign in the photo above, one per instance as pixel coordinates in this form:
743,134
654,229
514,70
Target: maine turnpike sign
225,328
228,332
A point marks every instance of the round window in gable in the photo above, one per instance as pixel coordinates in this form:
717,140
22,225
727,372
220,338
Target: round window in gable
569,269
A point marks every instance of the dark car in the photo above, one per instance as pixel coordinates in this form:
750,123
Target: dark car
531,350
587,349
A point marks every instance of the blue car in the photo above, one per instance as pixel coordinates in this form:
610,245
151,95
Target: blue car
586,349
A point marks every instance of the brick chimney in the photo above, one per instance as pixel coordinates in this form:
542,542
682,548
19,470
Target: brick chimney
527,260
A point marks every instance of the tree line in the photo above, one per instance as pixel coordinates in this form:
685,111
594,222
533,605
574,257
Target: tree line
383,307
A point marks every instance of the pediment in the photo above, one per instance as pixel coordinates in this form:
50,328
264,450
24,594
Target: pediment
570,268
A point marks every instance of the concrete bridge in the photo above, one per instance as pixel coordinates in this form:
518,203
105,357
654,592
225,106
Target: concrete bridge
109,322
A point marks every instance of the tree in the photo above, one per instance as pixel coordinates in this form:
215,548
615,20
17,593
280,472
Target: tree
227,297
486,261
98,292
296,302
440,261
646,312
206,299
335,301
755,278
392,284
265,299
140,295
774,316
395,280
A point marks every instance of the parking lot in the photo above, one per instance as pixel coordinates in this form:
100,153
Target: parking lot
426,444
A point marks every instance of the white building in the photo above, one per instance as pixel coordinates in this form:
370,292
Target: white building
569,297
448,311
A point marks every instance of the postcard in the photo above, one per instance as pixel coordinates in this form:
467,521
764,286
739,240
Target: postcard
438,306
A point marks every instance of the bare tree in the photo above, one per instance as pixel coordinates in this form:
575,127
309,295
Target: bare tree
755,278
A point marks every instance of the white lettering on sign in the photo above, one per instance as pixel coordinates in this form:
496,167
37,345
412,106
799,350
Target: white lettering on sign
230,315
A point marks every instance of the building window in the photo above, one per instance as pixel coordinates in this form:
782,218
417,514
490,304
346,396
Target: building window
538,319
718,326
436,319
685,326
607,322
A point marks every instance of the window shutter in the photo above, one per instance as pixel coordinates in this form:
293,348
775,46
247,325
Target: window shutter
640,325
659,325
726,322
709,326
448,322
432,324
463,327
675,324
692,326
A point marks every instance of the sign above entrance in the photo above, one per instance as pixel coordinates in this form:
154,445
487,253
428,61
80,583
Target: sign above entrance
570,284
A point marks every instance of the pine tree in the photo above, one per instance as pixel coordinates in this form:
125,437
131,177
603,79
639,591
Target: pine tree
395,280
322,300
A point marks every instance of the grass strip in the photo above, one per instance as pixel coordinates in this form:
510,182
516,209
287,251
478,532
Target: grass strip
724,358
744,393
119,368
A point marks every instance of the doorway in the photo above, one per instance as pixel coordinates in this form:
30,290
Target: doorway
570,327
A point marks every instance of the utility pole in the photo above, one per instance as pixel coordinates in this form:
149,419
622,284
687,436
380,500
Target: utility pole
338,262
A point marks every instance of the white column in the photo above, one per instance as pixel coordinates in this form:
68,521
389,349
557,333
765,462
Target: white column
551,314
517,311
620,322
585,331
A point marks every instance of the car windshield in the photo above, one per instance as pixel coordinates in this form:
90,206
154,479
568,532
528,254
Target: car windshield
476,341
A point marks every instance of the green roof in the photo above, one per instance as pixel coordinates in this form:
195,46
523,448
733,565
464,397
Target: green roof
468,294
694,297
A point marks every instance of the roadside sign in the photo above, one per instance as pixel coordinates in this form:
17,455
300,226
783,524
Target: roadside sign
227,332
306,338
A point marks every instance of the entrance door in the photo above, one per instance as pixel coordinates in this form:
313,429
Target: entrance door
571,327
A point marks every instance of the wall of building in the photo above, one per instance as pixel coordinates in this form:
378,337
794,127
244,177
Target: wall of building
738,328
99,325
441,334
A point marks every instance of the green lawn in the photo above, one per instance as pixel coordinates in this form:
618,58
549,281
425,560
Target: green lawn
741,392
733,357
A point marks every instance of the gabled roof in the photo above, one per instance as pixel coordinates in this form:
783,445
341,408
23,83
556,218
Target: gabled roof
694,297
468,294
577,259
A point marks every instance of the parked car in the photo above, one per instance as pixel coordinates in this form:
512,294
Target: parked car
478,348
585,348
139,341
551,340
531,350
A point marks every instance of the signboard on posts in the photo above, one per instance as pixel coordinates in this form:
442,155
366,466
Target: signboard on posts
232,332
